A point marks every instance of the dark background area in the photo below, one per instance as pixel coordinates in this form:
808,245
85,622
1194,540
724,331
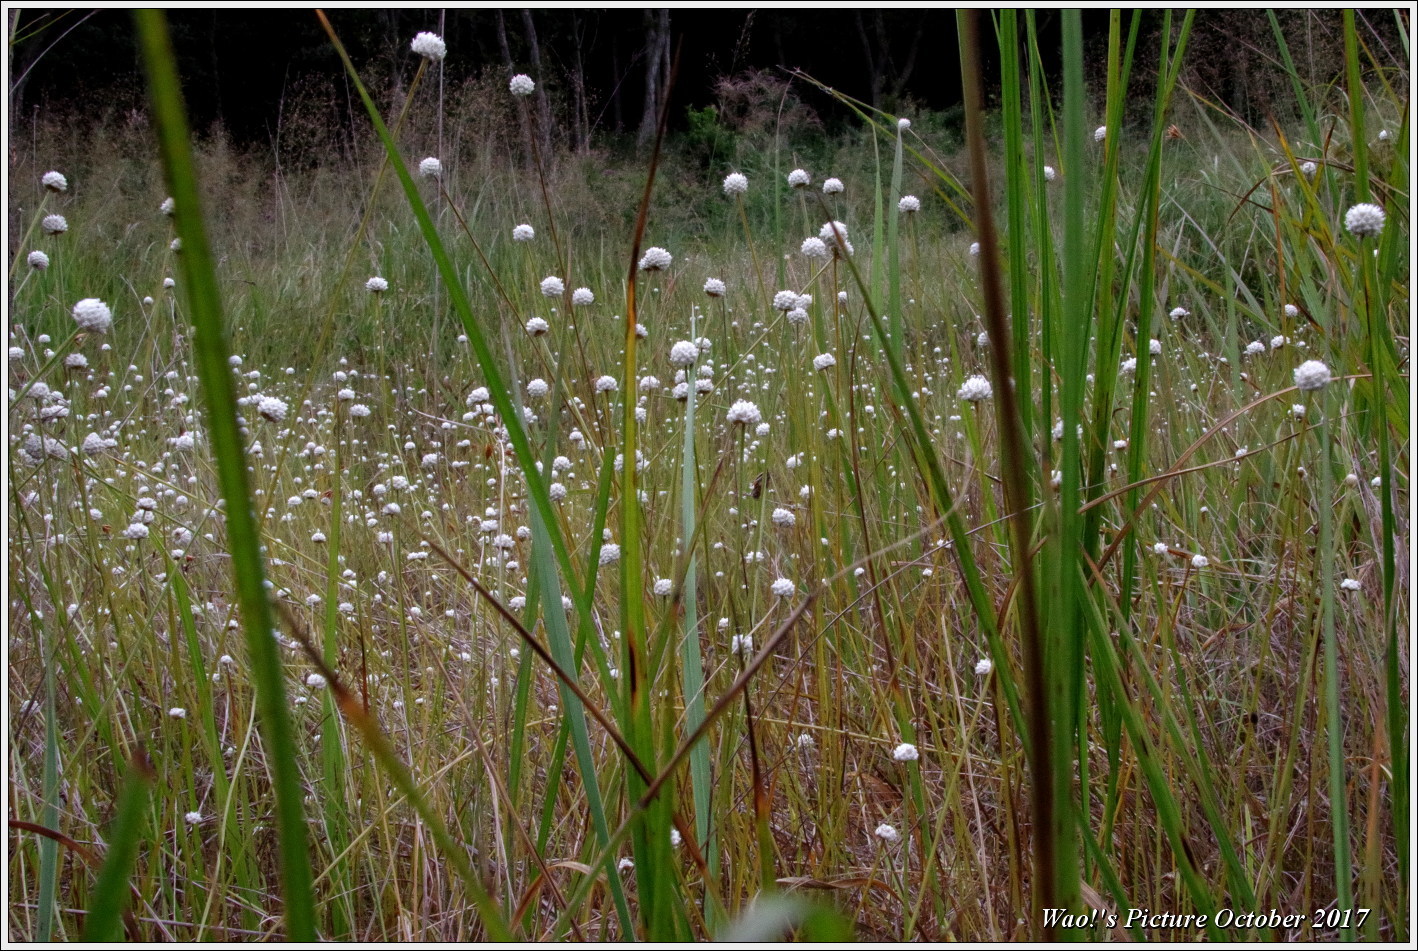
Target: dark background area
238,64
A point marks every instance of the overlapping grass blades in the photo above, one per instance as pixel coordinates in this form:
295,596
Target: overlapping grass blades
212,352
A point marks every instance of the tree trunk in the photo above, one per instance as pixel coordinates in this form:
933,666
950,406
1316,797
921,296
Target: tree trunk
580,134
657,71
543,123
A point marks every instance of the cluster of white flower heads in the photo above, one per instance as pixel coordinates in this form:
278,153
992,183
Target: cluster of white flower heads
1364,220
714,287
55,182
833,186
1312,375
745,413
521,85
376,285
430,46
735,184
93,315
523,233
684,353
655,259
798,178
431,168
54,224
552,287
783,588
975,389
909,204
38,260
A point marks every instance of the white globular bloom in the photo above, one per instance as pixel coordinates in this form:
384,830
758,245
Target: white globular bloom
833,186
1290,310
54,182
798,178
823,360
606,384
1100,133
1129,365
745,413
430,46
784,518
376,285
1200,561
315,681
974,249
54,224
1049,173
521,85
359,411
797,316
582,296
168,206
785,300
1177,313
38,260
192,818
1308,169
1255,347
272,408
908,204
783,588
93,315
735,184
984,666
903,124
683,353
1364,220
663,587
537,388
610,554
1349,584
1311,375
714,287
975,389
1154,346
814,248
552,287
655,259
905,753
431,168
523,233
888,834
177,713
536,326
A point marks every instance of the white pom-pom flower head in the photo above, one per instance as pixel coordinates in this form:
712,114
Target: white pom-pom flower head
1364,220
430,46
93,315
521,85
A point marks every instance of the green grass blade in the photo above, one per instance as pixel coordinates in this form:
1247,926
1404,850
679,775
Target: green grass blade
111,892
212,352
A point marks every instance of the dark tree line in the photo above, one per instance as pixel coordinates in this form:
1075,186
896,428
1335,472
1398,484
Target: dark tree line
608,68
